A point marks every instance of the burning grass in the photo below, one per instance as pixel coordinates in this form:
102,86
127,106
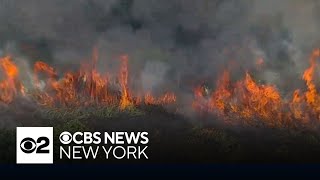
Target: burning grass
88,87
10,86
248,102
87,100
87,92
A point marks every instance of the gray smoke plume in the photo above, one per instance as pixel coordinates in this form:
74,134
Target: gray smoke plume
170,43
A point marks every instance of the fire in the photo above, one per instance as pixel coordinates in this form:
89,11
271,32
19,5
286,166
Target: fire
42,67
307,105
167,98
312,94
249,101
84,87
10,86
89,87
10,69
123,76
222,94
297,107
243,101
259,101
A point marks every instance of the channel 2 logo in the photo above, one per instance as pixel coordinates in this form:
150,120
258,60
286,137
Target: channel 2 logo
34,145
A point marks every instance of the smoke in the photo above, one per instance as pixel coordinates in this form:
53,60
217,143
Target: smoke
169,42
152,75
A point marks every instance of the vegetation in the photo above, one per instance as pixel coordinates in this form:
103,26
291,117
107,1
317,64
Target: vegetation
174,139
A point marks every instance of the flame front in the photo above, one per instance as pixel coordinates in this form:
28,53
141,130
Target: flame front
249,102
244,101
10,86
88,87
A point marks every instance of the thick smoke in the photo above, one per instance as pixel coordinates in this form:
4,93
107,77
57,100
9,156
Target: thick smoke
170,43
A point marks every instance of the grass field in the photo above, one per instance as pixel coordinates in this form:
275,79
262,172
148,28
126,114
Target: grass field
174,138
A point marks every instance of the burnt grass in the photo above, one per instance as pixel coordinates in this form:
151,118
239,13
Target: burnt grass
173,137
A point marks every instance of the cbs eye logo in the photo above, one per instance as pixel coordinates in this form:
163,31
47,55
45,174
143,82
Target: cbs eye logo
65,137
34,145
29,145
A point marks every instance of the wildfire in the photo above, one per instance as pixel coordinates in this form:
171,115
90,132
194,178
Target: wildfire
167,98
42,67
123,76
10,86
244,101
307,105
248,101
88,87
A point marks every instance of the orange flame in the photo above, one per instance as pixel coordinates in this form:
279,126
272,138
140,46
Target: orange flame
10,86
42,67
123,76
89,87
167,98
243,101
248,101
74,88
